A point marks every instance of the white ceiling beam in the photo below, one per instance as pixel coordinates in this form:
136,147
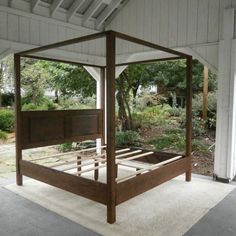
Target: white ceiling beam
55,5
74,8
34,4
11,2
106,13
91,10
115,13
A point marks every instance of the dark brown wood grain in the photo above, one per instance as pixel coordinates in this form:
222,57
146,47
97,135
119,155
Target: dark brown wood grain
189,116
142,183
43,128
87,188
111,164
17,71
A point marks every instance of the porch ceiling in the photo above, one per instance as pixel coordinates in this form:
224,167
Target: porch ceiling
91,14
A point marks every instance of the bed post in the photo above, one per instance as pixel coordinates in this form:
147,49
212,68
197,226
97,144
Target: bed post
102,94
19,179
110,111
189,116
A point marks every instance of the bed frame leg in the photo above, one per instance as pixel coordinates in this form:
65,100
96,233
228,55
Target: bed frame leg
188,176
96,172
19,179
79,163
111,214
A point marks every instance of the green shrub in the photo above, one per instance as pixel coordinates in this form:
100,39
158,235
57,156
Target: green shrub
176,141
3,135
157,115
7,99
65,147
198,125
47,105
211,112
128,138
169,141
7,120
175,111
148,100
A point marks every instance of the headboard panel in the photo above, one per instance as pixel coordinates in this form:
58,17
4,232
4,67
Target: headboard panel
44,128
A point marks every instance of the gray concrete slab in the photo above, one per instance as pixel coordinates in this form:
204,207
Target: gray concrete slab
21,217
219,221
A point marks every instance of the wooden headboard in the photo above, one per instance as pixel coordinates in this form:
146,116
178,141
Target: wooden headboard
44,128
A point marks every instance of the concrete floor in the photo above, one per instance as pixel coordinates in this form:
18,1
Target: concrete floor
219,221
39,221
21,217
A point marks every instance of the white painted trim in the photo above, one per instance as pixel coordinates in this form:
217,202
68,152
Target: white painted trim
91,10
47,19
196,55
54,7
5,53
56,53
34,4
105,14
74,7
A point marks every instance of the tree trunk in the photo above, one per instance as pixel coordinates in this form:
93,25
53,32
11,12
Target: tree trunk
122,111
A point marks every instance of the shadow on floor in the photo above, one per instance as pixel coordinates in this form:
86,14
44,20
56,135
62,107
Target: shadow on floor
219,221
21,217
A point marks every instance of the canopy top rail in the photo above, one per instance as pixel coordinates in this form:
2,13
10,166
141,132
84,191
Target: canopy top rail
31,52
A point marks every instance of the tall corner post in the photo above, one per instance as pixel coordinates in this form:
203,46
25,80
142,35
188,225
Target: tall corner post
189,117
17,73
103,103
110,112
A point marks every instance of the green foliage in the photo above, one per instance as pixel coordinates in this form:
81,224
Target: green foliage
7,99
65,147
7,120
128,138
34,81
84,103
170,141
171,76
147,99
156,115
69,80
44,104
211,113
176,112
175,139
3,135
199,126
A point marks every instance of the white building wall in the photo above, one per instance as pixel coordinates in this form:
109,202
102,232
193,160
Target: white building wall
193,24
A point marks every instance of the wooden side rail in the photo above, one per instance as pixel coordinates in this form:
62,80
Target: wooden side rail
141,183
87,188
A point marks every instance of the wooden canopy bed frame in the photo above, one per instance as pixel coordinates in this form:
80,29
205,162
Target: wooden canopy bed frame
44,128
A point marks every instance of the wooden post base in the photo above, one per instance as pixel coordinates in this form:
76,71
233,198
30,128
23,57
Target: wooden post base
188,176
96,172
111,214
19,179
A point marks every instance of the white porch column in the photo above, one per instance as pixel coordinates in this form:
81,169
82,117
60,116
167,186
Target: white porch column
225,153
96,74
101,93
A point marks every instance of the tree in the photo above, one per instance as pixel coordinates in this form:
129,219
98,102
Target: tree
168,76
34,80
127,85
68,80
